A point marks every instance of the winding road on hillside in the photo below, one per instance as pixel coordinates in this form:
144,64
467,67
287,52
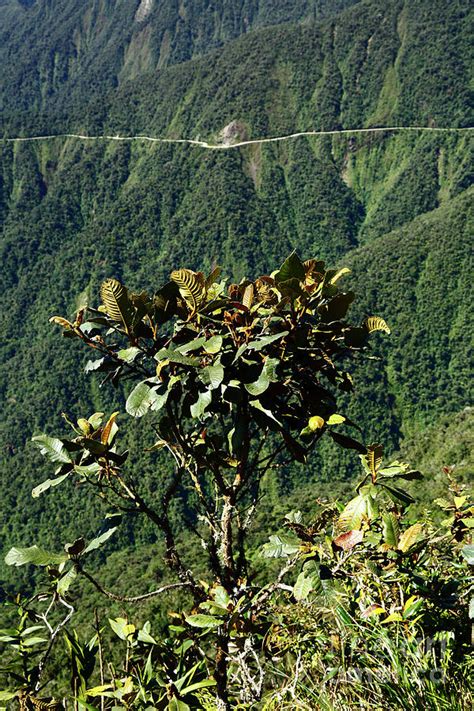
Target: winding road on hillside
237,144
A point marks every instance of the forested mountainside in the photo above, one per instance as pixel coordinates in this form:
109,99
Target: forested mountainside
375,63
395,207
53,51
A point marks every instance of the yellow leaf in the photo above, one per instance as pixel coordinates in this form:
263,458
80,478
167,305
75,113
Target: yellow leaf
116,301
375,323
409,537
374,457
410,602
315,423
61,322
373,610
336,419
106,432
84,425
459,501
394,617
339,274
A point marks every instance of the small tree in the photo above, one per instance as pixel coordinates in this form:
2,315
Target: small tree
234,381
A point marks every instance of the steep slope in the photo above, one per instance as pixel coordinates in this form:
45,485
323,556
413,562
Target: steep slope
396,206
58,53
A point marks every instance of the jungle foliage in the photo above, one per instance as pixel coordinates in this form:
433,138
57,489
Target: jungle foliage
233,380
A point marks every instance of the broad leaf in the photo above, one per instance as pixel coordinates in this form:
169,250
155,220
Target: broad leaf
213,375
292,268
398,494
204,621
468,553
373,458
35,556
279,547
351,517
66,581
199,407
302,587
122,628
213,345
348,540
97,542
117,303
266,377
390,530
48,484
52,448
190,287
128,354
140,400
409,537
347,442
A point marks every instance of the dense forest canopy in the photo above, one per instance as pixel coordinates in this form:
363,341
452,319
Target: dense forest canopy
395,207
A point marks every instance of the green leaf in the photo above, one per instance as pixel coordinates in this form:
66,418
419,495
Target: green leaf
97,542
292,268
48,484
204,621
398,494
174,356
199,407
468,553
35,556
52,448
140,399
128,354
337,307
213,375
92,365
193,345
279,547
347,442
7,695
390,530
302,587
176,704
198,685
336,419
213,345
122,628
269,417
260,343
95,420
66,581
315,423
266,377
351,517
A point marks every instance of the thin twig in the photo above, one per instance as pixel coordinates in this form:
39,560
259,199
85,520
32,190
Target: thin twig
136,598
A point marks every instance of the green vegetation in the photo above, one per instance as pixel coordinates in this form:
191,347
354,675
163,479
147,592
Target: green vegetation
395,207
233,380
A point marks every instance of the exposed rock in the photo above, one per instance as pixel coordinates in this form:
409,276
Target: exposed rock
233,133
143,10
